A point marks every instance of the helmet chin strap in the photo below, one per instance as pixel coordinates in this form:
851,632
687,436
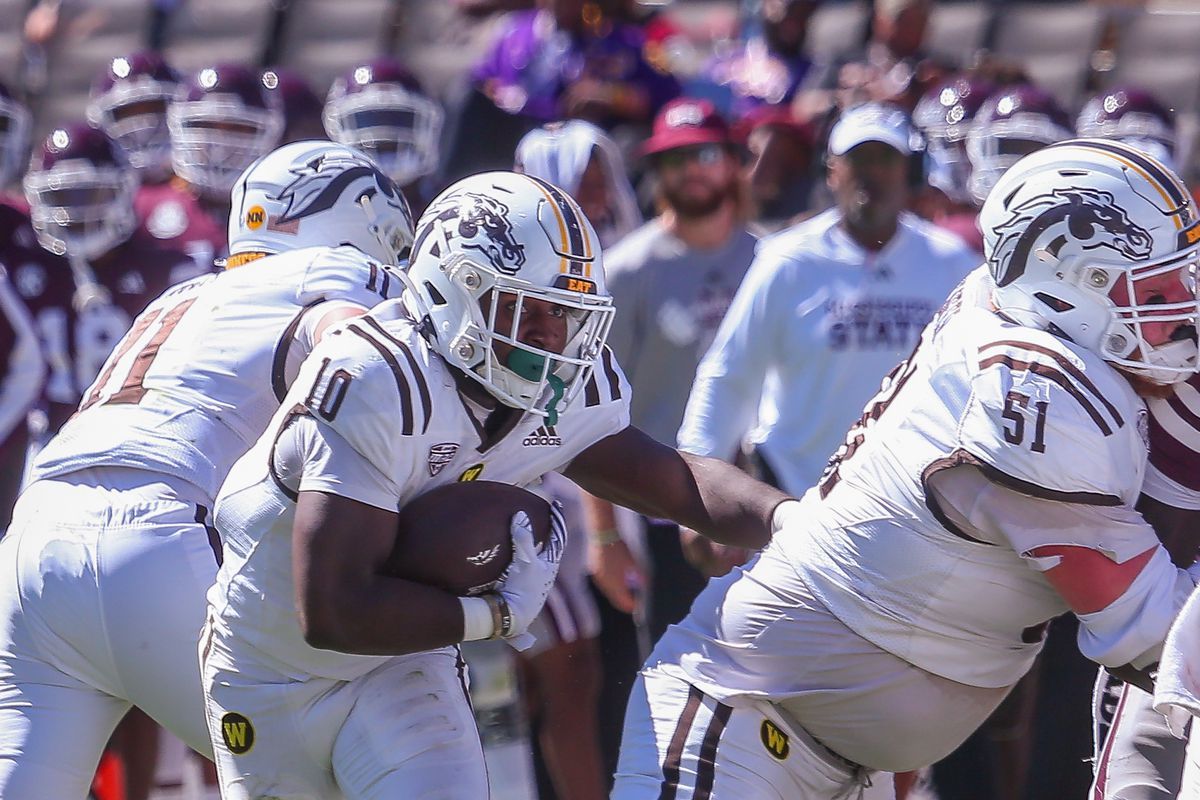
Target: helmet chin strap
529,366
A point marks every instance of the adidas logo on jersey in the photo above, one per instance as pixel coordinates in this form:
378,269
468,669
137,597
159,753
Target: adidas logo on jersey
545,436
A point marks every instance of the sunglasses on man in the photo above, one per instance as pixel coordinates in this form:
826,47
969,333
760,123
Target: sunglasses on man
705,154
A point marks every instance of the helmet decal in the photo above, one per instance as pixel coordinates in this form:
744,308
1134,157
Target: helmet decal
483,225
319,184
1093,220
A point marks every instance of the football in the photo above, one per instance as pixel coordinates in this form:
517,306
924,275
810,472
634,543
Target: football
456,537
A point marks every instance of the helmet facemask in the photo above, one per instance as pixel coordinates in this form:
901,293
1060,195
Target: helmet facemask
995,146
1080,304
398,128
1126,342
213,140
134,115
529,378
15,125
81,211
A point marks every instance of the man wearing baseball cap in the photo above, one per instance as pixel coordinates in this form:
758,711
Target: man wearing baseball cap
673,279
828,307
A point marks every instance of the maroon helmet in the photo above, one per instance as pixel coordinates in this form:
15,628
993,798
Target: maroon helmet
380,108
944,116
300,104
1132,115
221,121
1013,122
80,190
15,122
129,103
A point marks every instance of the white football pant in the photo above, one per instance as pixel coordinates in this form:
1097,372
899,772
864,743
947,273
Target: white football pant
101,605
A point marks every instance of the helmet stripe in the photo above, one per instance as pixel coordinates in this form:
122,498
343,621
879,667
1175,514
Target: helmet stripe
575,239
1155,173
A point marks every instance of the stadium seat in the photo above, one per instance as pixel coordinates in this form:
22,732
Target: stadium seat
836,29
1174,80
1032,29
1063,76
10,38
1160,35
956,31
88,36
321,39
200,34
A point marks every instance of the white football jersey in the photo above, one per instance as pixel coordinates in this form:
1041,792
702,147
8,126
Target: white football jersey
376,385
198,376
1033,413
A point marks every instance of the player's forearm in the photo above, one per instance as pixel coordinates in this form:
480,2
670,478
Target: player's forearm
734,508
384,616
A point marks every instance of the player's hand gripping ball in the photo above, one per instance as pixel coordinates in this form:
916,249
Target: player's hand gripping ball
457,536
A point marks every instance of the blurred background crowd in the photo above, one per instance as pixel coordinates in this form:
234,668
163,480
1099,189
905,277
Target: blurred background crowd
688,131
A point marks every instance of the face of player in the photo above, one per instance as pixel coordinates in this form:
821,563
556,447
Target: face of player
542,324
1176,286
696,181
870,184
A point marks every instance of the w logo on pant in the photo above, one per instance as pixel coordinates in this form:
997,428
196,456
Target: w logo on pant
775,740
237,732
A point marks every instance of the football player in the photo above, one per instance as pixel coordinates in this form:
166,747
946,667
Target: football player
112,548
944,116
988,488
1012,122
21,375
562,672
380,107
220,120
323,675
1137,755
99,276
24,369
129,102
1131,115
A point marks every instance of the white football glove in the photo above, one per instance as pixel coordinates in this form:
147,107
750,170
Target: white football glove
530,576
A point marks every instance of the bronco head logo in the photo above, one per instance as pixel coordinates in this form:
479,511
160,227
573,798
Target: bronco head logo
1089,216
481,222
320,182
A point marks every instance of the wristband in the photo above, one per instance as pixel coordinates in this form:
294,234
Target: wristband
605,537
501,615
477,619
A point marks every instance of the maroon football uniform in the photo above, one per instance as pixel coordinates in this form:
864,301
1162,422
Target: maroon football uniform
76,344
171,215
22,371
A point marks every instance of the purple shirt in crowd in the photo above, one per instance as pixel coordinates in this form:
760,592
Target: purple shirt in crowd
532,63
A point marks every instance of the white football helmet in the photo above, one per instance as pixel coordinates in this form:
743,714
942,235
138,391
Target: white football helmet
503,233
1071,224
309,194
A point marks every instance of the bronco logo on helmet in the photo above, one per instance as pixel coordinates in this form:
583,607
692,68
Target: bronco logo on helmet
1092,218
320,182
483,225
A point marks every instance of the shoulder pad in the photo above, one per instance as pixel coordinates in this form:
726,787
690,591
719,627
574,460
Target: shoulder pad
1052,420
371,386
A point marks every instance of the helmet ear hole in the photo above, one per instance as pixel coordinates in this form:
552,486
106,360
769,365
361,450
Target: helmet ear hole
1056,303
434,294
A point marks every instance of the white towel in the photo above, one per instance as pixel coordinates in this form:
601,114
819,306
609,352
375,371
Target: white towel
1177,687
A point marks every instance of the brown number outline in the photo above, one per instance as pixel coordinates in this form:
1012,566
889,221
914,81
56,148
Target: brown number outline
132,390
